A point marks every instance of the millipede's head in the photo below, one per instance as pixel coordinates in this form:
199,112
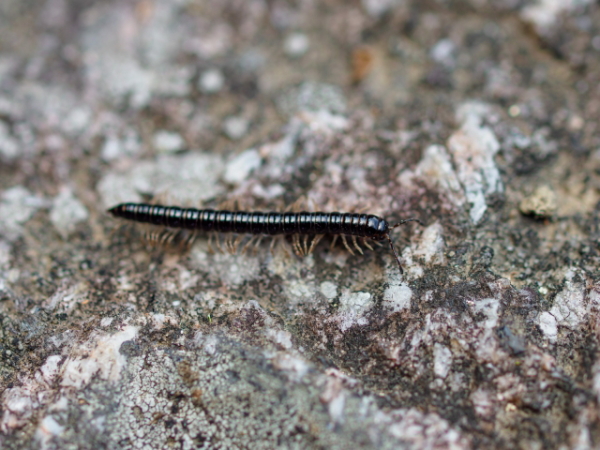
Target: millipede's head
378,228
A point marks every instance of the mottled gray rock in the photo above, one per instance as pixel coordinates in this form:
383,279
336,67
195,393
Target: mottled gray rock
478,118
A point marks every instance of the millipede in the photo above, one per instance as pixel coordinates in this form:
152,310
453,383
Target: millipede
256,223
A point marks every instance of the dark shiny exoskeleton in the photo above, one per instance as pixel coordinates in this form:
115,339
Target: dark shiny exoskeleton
268,223
366,226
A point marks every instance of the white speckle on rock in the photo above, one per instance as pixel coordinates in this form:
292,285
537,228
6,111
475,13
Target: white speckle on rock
17,404
47,428
353,306
235,127
50,369
483,403
210,345
328,289
280,337
99,356
376,8
67,297
543,14
238,169
323,121
106,321
397,297
159,320
569,307
310,96
77,120
67,211
187,179
294,366
115,147
548,325
296,45
211,81
443,52
487,344
17,205
168,141
474,146
442,360
431,245
425,430
9,146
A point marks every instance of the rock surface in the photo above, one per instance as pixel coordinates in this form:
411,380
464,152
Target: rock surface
450,112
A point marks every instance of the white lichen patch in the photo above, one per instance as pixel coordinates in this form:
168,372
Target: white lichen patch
543,14
98,357
9,146
436,171
17,205
430,246
442,360
352,309
549,326
232,269
67,211
569,308
294,366
328,289
486,343
473,147
184,179
421,430
334,396
238,169
67,297
18,404
47,429
50,370
281,338
483,403
397,297
168,141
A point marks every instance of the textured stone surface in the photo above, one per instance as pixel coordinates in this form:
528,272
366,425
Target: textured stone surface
455,113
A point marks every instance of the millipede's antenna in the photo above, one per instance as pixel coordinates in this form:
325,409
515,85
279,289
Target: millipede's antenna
402,222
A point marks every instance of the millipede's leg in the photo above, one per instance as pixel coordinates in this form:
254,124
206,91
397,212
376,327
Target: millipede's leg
257,244
284,245
367,244
297,206
168,237
305,245
296,245
333,241
218,243
346,244
272,245
314,242
210,238
188,241
355,241
247,245
236,243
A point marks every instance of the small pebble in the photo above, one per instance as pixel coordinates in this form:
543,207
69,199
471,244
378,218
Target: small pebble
542,203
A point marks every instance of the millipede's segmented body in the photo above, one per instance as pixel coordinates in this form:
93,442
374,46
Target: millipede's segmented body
366,226
268,223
